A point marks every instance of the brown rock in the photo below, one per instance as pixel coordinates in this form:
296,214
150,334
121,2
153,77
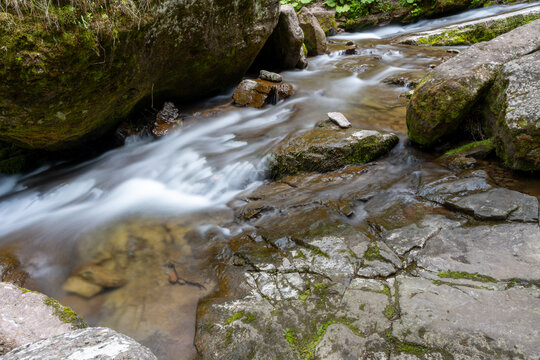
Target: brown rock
77,285
102,276
10,269
257,93
166,119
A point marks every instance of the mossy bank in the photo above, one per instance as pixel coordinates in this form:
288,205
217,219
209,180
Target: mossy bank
72,72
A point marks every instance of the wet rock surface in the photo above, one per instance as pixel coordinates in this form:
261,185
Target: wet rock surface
377,274
166,119
442,102
475,31
90,343
325,149
257,93
28,316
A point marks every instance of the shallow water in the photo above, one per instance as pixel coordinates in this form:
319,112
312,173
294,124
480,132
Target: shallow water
150,204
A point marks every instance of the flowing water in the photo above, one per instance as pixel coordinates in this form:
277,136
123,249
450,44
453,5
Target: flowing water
150,205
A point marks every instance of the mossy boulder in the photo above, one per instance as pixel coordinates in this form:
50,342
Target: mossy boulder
444,99
475,31
326,149
70,74
314,37
514,112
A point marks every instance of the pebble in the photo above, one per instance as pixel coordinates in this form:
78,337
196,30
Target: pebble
339,119
270,76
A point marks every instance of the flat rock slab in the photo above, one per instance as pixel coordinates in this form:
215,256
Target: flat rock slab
472,194
27,316
323,150
499,204
471,32
85,344
474,323
500,252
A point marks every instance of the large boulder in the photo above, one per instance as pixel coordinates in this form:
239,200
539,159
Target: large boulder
326,149
27,316
284,47
446,96
314,36
514,112
91,343
472,32
69,74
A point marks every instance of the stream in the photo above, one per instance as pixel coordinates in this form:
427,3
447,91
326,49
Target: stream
153,203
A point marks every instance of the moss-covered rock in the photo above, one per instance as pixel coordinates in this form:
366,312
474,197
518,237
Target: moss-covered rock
514,113
326,149
445,97
69,74
475,31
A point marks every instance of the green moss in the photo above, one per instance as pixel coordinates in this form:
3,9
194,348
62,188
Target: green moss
305,346
373,253
465,275
66,314
488,144
234,317
477,33
390,311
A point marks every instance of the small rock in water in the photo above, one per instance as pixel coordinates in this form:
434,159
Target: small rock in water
78,285
351,49
166,119
257,93
349,43
102,276
270,76
339,119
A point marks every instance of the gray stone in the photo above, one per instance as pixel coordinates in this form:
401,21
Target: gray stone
314,37
85,344
440,104
257,93
412,236
471,32
339,119
514,112
498,204
27,316
270,76
501,252
323,150
284,47
341,343
454,187
468,322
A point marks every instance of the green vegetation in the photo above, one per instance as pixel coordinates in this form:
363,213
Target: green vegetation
487,144
465,275
66,314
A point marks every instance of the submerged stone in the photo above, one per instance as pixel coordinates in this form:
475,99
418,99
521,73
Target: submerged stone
323,150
